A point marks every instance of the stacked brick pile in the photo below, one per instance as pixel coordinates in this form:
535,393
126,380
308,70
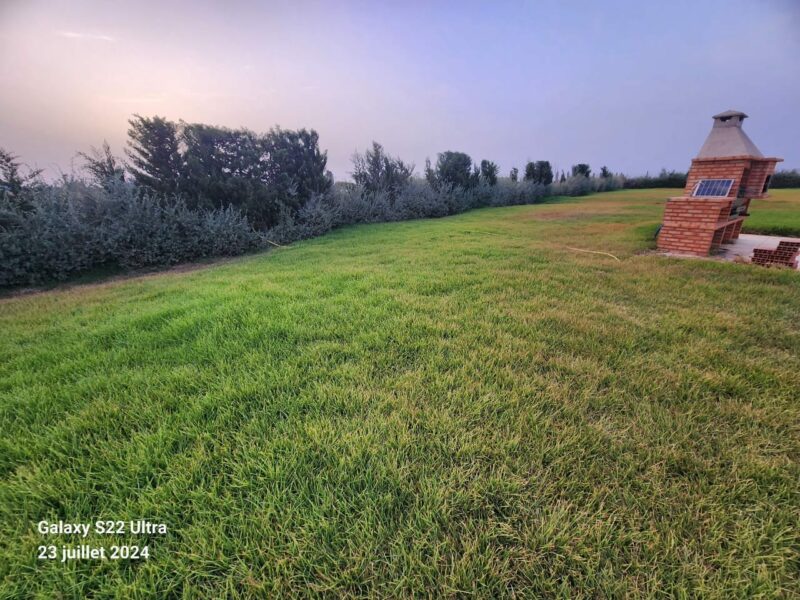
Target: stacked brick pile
784,255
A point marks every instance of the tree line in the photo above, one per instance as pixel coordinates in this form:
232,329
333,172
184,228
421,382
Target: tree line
186,191
213,167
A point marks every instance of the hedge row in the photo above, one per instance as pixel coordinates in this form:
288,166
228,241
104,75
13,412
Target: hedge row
67,229
54,232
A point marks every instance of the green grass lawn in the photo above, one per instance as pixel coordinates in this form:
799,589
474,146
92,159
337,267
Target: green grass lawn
777,215
436,408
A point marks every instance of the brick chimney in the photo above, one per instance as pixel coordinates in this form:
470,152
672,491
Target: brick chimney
726,174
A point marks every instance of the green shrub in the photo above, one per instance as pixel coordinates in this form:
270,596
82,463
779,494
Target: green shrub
72,227
580,185
665,179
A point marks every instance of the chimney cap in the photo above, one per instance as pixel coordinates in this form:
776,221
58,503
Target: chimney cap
730,113
727,138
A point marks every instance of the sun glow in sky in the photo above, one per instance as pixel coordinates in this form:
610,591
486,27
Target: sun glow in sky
627,84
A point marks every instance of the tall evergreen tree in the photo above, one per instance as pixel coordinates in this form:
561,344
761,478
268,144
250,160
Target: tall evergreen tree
223,166
262,174
544,172
103,167
154,153
530,171
581,169
539,171
489,172
430,174
12,179
295,168
453,169
376,171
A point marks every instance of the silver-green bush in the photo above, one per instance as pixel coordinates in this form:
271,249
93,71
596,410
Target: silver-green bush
72,227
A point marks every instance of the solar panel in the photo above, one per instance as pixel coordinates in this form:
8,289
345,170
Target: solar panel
713,187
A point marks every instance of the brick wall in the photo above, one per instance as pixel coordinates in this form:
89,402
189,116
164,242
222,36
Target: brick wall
690,224
717,168
733,168
759,171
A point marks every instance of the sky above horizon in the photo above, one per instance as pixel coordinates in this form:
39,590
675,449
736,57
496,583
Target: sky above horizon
627,84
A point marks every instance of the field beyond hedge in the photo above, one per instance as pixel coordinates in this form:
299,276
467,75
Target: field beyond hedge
438,408
777,215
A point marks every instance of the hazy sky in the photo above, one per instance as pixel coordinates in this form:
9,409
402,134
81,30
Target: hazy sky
630,84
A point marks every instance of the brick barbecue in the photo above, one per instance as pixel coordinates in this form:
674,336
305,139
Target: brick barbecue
728,172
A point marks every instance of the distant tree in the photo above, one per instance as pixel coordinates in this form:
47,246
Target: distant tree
785,179
430,174
345,186
604,172
154,153
453,169
262,174
514,174
296,167
489,172
539,171
223,166
563,177
376,171
13,181
102,166
581,169
673,179
530,171
543,172
10,179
